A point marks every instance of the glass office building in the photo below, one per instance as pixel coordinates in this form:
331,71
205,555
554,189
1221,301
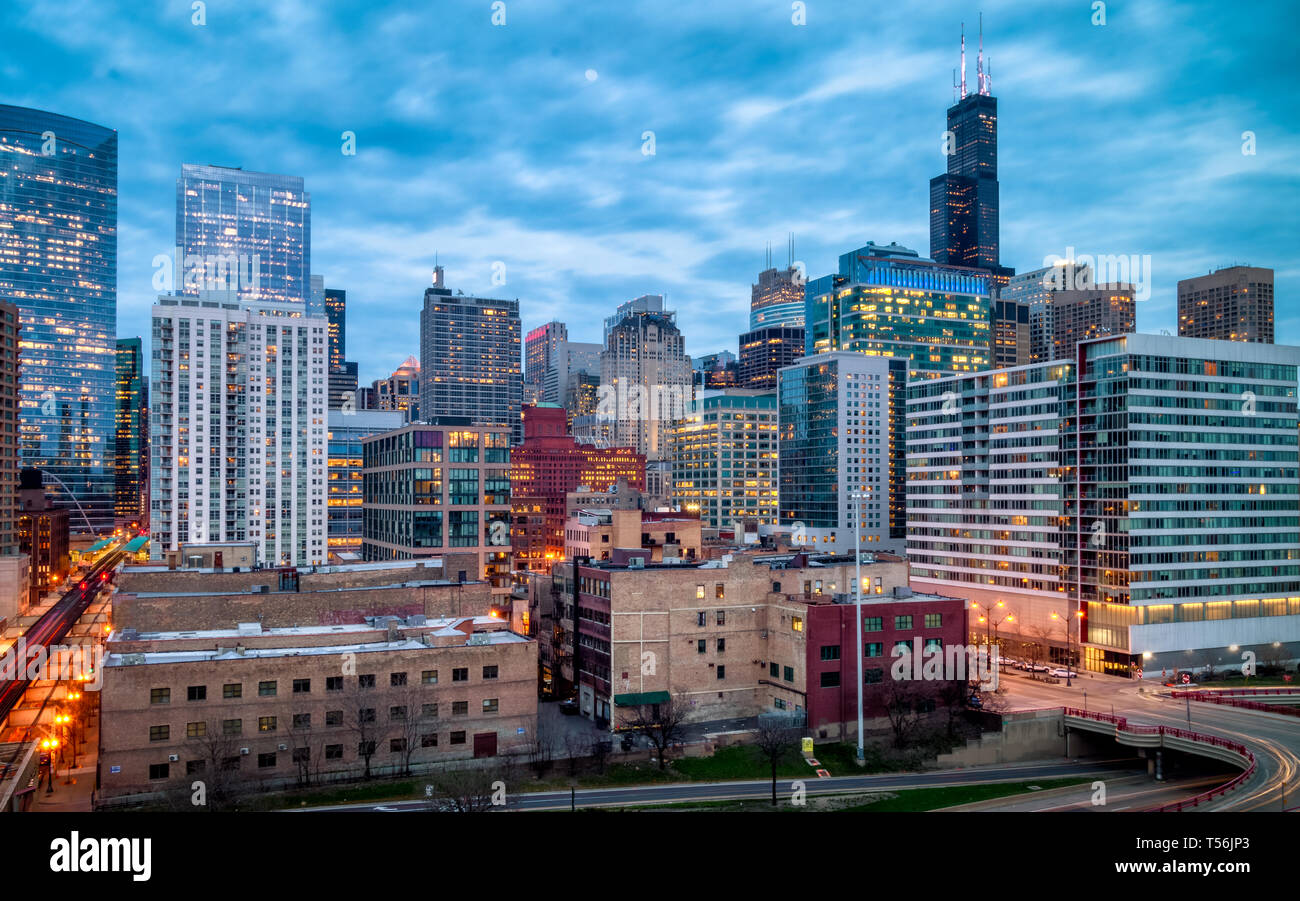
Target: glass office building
132,476
249,232
891,302
58,264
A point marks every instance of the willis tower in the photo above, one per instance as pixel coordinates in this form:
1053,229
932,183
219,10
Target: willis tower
964,200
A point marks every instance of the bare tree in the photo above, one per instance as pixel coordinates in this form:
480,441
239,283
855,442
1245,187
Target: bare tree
219,770
469,789
661,723
541,750
777,740
601,748
363,721
903,705
576,747
418,717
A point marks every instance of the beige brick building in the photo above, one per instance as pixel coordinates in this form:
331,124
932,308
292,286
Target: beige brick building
711,632
249,709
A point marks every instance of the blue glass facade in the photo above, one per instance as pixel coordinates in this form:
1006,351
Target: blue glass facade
58,264
243,231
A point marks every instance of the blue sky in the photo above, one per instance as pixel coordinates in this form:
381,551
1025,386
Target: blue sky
522,143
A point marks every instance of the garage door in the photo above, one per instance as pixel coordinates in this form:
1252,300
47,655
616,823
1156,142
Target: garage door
485,744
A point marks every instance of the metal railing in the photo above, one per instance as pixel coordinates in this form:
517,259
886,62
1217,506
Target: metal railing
1122,725
1234,698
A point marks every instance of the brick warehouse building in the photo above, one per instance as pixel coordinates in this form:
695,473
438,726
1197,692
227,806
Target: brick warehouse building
248,709
748,633
548,465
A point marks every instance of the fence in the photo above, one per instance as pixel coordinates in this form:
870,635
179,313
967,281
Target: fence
1233,698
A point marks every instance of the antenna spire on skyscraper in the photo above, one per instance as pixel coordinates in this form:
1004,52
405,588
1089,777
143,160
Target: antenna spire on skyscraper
963,61
979,61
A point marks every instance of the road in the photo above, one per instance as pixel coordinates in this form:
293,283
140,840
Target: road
1273,738
762,788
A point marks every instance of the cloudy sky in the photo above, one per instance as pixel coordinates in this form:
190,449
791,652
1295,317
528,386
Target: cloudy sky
522,143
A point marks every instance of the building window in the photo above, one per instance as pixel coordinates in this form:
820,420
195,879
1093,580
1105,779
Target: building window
458,738
396,745
429,711
873,675
490,705
266,689
722,645
266,724
699,619
429,677
830,679
429,740
460,708
778,703
902,647
699,591
933,620
365,748
396,680
366,715
366,681
160,733
873,624
232,690
333,752
195,767
489,672
302,755
700,645
196,730
196,693
719,590
933,643
774,670
874,649
302,721
722,618
160,696
159,770
902,622
788,674
301,686
232,727
830,652
397,713
460,674
722,672
265,761
333,683
334,717
796,623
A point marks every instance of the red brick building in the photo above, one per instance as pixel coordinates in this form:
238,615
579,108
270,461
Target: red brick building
894,617
547,466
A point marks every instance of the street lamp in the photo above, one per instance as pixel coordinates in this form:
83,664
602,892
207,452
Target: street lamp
1069,647
858,497
48,745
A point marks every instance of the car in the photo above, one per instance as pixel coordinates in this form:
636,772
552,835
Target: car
1039,667
975,702
569,707
1064,674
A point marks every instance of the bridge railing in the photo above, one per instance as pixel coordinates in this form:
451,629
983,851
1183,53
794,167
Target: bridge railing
1122,725
1236,698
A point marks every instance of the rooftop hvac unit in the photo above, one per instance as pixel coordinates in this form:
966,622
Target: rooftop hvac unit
243,752
902,591
172,758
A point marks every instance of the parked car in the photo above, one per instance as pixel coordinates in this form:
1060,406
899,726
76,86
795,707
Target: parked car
1064,674
1039,667
569,707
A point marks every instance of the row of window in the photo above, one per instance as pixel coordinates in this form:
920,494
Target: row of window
270,688
490,706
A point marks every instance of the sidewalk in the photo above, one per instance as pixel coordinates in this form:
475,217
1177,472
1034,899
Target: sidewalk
76,796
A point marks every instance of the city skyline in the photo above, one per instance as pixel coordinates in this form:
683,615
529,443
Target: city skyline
582,219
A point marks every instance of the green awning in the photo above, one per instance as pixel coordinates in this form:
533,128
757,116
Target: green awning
135,544
99,545
641,699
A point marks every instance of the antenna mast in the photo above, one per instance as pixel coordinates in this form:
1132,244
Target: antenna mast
979,61
963,60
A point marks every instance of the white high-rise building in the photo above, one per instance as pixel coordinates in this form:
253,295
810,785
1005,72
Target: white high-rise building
238,431
646,382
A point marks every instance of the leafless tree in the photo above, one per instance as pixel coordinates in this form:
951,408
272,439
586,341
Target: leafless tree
600,751
469,788
418,717
576,747
903,705
220,768
777,740
661,723
541,750
362,719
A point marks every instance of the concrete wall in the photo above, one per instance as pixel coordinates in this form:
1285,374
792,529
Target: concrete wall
1034,735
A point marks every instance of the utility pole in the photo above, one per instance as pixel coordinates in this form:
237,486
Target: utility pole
857,611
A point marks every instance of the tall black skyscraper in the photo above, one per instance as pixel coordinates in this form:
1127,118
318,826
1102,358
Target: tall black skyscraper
964,200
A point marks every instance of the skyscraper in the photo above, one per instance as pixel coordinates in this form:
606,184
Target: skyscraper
336,310
1010,334
249,232
58,238
841,459
1150,482
543,352
9,341
470,357
890,301
776,299
764,351
724,458
964,200
1066,307
238,441
1231,304
132,486
346,429
400,391
645,381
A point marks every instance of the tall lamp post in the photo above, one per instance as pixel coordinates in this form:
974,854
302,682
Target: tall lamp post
857,609
1069,645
